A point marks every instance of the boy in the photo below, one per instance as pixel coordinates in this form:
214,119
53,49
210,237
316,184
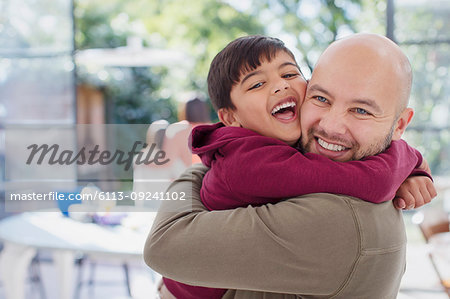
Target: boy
256,86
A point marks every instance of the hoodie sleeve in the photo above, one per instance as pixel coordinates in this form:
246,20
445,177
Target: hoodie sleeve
257,172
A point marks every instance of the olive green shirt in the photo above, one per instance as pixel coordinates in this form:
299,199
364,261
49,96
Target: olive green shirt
313,246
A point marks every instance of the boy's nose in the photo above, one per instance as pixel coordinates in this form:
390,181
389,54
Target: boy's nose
280,86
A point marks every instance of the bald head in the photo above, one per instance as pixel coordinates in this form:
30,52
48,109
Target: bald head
368,53
356,101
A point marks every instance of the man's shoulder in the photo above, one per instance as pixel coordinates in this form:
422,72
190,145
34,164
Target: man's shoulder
373,225
318,213
345,234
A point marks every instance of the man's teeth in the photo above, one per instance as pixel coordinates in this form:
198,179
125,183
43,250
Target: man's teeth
282,106
331,147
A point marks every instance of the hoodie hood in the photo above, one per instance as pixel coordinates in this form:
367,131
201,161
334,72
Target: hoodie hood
206,140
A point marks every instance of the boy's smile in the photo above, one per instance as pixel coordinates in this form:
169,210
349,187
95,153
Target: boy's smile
267,99
285,110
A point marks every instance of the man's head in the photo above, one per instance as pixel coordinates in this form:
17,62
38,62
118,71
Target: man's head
357,98
255,83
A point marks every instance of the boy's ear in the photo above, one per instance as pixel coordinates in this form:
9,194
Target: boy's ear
228,117
402,122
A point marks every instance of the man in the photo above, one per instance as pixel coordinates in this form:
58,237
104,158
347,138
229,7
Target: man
318,245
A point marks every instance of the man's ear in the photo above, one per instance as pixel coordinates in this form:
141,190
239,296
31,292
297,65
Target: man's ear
402,122
228,117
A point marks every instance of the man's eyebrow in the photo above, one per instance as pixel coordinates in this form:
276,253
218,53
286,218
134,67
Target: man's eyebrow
369,102
256,72
319,88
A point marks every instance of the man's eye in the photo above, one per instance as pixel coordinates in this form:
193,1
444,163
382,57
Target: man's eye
259,84
361,111
321,99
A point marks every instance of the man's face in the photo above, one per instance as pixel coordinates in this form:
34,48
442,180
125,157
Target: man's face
349,110
267,99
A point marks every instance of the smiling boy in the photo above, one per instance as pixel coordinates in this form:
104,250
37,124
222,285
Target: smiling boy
257,87
272,116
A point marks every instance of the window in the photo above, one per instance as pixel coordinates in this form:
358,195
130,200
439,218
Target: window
422,29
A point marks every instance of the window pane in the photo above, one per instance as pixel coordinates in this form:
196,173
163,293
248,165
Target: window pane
430,98
431,88
422,20
434,145
31,24
36,66
37,90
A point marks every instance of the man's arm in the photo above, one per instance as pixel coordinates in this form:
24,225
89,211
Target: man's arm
294,246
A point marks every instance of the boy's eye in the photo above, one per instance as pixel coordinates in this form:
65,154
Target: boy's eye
290,75
255,85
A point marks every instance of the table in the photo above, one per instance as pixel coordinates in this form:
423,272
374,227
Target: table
440,248
440,245
25,233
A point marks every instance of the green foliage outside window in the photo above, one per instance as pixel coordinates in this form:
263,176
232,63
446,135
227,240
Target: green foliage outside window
201,28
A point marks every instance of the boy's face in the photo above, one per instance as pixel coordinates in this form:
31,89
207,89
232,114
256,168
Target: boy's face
267,99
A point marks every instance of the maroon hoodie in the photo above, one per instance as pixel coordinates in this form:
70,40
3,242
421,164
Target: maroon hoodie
250,169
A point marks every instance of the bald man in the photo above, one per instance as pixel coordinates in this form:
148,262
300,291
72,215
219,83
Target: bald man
313,246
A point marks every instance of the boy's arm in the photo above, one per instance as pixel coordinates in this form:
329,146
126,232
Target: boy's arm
262,173
416,190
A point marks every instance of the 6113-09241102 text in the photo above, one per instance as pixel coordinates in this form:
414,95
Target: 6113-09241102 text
99,195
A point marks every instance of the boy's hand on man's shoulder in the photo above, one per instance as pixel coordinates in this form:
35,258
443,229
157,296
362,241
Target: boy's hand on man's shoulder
415,192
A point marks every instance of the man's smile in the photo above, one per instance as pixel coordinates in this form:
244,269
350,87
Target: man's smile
331,146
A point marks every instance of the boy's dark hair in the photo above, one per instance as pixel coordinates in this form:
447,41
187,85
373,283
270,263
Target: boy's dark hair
242,55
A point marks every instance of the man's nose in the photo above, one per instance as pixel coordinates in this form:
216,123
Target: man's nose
280,85
333,123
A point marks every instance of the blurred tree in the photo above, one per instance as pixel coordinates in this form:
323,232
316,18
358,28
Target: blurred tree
133,94
202,28
94,20
308,26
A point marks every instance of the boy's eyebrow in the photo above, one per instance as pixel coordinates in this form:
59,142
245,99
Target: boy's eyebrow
288,63
249,75
256,72
363,101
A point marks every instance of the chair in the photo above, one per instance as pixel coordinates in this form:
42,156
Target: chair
430,224
91,281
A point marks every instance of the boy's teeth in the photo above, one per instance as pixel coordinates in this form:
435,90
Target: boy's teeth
282,106
329,146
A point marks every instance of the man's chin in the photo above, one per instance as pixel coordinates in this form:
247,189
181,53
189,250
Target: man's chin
341,157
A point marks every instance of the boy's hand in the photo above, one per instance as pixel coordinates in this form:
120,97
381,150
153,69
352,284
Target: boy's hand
414,192
425,167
